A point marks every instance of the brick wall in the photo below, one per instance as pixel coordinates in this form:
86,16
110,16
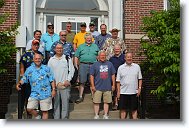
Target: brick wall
135,10
8,80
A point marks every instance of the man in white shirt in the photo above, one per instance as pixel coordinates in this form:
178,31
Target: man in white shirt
129,84
63,71
37,35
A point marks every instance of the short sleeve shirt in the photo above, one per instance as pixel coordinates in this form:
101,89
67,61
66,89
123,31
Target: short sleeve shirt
40,81
49,40
87,53
102,72
128,76
68,49
100,40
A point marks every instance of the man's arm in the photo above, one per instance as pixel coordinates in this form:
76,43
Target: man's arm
21,69
113,82
53,84
92,83
76,62
118,89
139,87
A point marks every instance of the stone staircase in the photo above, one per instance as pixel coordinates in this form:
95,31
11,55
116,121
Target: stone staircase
84,110
81,111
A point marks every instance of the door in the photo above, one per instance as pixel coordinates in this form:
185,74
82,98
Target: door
76,21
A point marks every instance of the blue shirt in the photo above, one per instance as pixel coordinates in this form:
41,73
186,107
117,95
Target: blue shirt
40,81
102,72
117,61
49,40
27,58
100,40
68,49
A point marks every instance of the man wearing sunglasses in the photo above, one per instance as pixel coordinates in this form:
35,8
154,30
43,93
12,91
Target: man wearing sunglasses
49,38
67,46
79,37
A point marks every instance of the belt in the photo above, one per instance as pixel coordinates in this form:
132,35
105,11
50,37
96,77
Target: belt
86,63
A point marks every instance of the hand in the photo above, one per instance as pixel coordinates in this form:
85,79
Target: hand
118,95
53,93
18,87
67,83
139,91
113,88
93,89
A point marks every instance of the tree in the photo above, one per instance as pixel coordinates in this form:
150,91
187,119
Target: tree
7,37
162,48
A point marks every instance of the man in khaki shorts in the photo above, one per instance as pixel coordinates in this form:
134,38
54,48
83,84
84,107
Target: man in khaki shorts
41,79
102,76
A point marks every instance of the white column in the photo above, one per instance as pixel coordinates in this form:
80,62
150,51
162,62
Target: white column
117,15
28,17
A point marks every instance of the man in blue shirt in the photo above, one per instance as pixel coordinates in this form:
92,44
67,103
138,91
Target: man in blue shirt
49,38
102,77
117,60
100,39
41,79
26,61
68,48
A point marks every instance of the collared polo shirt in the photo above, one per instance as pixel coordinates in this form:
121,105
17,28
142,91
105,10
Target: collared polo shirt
67,49
49,40
100,40
40,81
87,53
128,75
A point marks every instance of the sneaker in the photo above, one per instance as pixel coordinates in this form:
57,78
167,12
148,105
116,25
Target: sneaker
105,117
79,100
38,117
96,117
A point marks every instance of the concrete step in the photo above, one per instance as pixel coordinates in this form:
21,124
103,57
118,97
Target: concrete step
14,98
90,115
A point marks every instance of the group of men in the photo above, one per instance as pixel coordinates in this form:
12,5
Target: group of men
49,63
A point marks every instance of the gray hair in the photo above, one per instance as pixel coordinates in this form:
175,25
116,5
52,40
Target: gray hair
88,34
101,51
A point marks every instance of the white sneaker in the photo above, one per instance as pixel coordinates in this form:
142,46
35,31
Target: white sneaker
105,117
96,117
38,117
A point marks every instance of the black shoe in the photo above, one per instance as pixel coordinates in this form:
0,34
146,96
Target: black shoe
79,100
70,101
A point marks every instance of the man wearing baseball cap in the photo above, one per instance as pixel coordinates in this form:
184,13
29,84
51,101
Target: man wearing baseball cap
92,30
25,62
49,38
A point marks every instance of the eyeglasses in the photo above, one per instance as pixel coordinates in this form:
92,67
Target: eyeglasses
68,26
63,35
50,27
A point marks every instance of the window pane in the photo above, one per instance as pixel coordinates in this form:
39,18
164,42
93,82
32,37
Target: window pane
49,19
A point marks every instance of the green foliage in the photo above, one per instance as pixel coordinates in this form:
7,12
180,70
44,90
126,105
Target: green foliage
163,48
7,37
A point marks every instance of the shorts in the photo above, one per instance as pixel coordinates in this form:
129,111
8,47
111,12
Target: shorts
107,96
84,72
45,104
128,102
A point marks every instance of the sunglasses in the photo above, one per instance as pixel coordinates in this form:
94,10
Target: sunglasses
63,35
69,26
50,27
83,26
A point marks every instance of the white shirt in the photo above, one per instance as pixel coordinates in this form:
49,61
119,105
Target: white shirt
128,76
59,66
41,46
